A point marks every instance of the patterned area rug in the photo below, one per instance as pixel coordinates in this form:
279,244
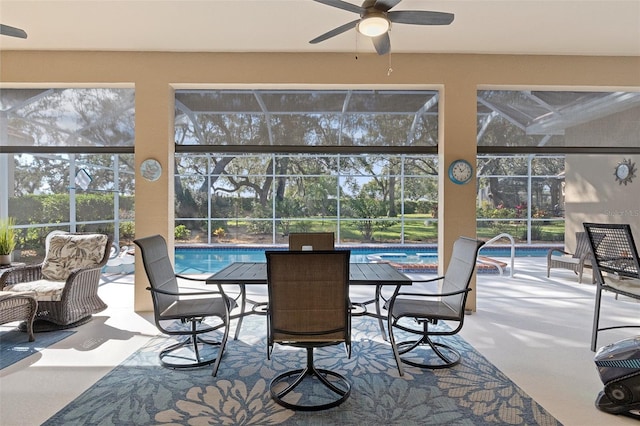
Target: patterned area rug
15,344
140,391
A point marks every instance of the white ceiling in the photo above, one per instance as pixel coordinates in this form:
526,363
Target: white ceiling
571,27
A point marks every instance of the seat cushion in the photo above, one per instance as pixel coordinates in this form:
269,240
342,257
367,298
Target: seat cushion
415,308
69,252
628,285
196,307
45,290
565,259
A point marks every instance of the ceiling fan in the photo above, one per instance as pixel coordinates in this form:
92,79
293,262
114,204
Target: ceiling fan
12,31
376,18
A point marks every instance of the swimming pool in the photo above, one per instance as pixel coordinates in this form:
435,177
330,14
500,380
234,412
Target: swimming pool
207,259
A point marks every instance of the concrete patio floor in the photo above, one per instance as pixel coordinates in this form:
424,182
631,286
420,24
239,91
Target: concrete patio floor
537,330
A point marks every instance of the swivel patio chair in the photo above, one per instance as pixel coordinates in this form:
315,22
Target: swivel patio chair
66,283
316,240
431,308
616,267
577,261
179,313
309,308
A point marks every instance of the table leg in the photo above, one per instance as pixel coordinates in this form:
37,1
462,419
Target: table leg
379,311
243,304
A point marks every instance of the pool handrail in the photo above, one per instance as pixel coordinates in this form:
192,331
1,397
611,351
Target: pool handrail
513,252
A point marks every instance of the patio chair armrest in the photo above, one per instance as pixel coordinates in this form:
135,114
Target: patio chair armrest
556,251
185,277
453,293
428,280
20,274
186,293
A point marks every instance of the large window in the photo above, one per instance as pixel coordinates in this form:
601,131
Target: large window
523,138
66,162
261,198
254,165
521,195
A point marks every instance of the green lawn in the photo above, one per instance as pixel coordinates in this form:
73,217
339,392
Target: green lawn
422,228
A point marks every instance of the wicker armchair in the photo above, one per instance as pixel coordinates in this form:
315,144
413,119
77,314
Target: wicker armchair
66,282
18,306
576,262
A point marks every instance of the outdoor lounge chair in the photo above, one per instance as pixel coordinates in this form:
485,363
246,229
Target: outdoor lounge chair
578,260
66,282
431,308
308,308
179,313
616,267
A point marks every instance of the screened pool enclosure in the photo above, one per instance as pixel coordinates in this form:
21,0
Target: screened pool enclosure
253,165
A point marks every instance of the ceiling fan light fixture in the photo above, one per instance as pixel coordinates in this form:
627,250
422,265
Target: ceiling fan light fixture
374,25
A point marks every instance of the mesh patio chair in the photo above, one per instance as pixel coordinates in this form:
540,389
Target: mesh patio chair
431,308
182,313
316,240
577,261
66,283
309,308
616,267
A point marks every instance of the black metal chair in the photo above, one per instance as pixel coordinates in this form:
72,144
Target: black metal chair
309,308
172,305
616,267
430,308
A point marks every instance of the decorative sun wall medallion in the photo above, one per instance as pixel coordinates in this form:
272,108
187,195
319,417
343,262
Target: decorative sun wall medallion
625,172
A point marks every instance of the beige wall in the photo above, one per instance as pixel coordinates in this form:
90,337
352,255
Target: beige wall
155,75
596,196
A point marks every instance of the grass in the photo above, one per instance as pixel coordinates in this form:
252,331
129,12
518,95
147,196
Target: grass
419,228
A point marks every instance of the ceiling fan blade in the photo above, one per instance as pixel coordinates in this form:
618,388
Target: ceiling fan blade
12,31
334,32
420,17
342,5
382,43
385,5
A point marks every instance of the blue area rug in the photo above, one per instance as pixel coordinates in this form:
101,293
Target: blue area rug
141,392
15,345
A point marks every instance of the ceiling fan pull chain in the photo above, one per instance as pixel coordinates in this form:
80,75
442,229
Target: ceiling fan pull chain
390,70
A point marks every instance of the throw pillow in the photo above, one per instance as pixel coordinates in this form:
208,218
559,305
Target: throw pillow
69,252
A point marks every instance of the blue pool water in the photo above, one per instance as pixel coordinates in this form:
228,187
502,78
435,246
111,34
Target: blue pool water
207,260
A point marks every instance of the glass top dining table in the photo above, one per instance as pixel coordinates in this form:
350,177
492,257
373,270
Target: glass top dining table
255,273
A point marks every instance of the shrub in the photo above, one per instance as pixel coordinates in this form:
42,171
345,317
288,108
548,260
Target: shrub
7,236
181,232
